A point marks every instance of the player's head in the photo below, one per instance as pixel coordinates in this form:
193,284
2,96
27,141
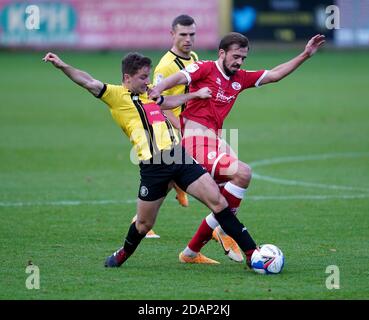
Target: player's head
136,72
183,33
233,49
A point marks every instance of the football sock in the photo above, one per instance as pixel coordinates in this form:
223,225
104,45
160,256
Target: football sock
131,242
248,254
234,195
189,253
235,229
202,236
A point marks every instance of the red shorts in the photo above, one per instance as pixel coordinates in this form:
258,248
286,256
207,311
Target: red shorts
213,154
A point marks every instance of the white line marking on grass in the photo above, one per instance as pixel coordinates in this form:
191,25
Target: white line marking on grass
267,162
132,201
307,184
64,203
308,197
282,160
254,164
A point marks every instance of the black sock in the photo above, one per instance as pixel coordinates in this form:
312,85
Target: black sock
132,240
235,229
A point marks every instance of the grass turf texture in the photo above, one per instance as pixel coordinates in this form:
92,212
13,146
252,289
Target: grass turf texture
59,144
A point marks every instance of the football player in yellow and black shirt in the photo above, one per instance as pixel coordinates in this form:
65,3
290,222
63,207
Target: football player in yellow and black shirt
162,158
177,58
180,55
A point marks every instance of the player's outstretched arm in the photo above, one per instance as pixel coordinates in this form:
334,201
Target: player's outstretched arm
170,102
283,70
80,77
167,83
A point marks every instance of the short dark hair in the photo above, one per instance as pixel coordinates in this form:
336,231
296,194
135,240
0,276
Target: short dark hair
233,38
183,20
133,62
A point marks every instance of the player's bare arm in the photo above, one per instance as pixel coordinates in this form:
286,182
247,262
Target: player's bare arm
80,77
283,70
173,119
171,102
167,83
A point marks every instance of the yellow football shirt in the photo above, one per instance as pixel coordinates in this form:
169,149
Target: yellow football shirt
141,120
169,64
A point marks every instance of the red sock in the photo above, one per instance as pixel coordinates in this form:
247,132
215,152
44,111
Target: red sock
204,232
233,202
201,237
248,254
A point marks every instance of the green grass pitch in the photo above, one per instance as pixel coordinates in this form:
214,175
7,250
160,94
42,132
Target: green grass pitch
67,187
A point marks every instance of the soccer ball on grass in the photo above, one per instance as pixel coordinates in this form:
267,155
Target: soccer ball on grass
268,259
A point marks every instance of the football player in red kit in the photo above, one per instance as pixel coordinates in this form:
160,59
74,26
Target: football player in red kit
202,121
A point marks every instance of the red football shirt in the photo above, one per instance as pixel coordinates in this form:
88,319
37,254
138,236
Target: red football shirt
212,112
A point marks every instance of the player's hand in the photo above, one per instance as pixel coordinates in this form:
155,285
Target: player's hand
153,93
314,44
203,93
54,59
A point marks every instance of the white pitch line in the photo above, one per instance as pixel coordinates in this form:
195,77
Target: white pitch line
131,201
280,160
307,184
64,203
254,164
267,162
308,197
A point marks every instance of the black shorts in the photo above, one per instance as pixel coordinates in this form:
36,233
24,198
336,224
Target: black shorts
156,176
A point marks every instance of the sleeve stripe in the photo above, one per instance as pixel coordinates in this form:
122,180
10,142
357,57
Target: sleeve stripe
257,83
187,76
102,91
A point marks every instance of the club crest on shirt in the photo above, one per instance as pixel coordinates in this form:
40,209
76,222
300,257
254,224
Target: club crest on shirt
236,86
191,68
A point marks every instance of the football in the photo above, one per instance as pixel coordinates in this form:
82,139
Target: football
268,259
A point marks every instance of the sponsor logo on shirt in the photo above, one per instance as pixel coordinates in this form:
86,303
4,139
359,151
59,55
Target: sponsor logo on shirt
155,113
192,68
222,97
236,86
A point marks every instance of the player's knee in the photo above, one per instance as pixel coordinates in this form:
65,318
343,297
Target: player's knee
143,226
243,174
